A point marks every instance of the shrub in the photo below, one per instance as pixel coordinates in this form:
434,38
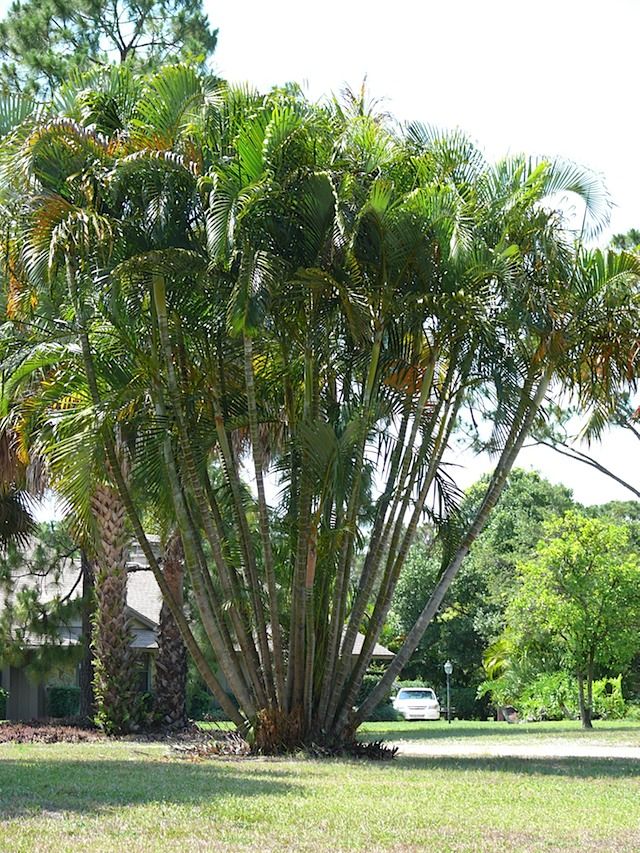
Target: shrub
608,701
633,711
554,696
383,712
63,701
465,703
202,705
3,704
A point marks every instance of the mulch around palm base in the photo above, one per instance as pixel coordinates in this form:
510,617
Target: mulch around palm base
43,732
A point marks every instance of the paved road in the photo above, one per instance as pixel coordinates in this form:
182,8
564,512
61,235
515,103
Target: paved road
503,748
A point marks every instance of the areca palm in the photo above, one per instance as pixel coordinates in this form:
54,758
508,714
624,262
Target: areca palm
267,288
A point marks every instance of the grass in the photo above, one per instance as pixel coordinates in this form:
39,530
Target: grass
133,797
612,732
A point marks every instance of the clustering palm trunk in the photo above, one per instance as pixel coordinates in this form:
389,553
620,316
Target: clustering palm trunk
171,660
116,698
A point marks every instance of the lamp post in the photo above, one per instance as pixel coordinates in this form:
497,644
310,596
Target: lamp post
448,668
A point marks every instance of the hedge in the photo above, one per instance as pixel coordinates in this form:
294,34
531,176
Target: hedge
63,701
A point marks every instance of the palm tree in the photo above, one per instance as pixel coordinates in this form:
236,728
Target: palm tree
265,288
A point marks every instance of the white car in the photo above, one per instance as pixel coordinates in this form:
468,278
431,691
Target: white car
417,703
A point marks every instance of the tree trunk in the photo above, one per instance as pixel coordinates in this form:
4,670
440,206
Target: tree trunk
171,662
114,666
85,678
585,705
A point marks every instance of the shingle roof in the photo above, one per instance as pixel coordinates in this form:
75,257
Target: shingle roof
144,599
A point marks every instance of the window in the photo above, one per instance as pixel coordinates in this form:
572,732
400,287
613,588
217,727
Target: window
142,674
416,694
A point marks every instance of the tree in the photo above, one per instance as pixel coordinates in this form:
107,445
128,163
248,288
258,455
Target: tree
255,283
580,600
629,241
44,42
46,553
472,615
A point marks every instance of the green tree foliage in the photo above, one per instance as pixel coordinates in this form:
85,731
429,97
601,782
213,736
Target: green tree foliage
44,42
579,602
25,613
473,613
260,284
628,242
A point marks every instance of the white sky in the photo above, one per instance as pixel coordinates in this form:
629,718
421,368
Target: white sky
550,78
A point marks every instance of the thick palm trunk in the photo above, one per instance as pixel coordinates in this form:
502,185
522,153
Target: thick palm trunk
85,676
171,661
114,667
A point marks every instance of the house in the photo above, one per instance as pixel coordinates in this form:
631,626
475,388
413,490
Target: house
27,692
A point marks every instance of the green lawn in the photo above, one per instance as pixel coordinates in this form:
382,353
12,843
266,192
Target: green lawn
618,732
130,797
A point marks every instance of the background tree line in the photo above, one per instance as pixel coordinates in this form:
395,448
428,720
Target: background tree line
500,627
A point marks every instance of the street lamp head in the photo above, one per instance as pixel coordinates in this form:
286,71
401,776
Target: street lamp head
448,667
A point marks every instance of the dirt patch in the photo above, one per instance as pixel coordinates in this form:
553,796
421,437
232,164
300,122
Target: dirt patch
507,749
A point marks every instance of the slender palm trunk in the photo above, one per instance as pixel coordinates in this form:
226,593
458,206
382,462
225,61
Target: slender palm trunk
267,552
527,411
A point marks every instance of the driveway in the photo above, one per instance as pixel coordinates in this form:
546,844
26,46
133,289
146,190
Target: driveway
497,748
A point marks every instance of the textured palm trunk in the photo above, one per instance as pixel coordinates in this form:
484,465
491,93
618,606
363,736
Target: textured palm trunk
114,680
85,677
171,662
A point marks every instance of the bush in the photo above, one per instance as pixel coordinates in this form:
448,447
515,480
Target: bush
63,701
554,696
411,682
466,704
608,701
383,712
633,711
3,704
202,705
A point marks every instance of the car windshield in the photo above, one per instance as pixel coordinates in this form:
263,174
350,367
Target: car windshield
416,694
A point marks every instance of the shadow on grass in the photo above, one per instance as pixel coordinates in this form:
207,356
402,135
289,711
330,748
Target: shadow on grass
423,731
32,786
573,768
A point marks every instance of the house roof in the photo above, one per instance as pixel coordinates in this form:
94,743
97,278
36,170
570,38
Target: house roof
380,652
144,599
